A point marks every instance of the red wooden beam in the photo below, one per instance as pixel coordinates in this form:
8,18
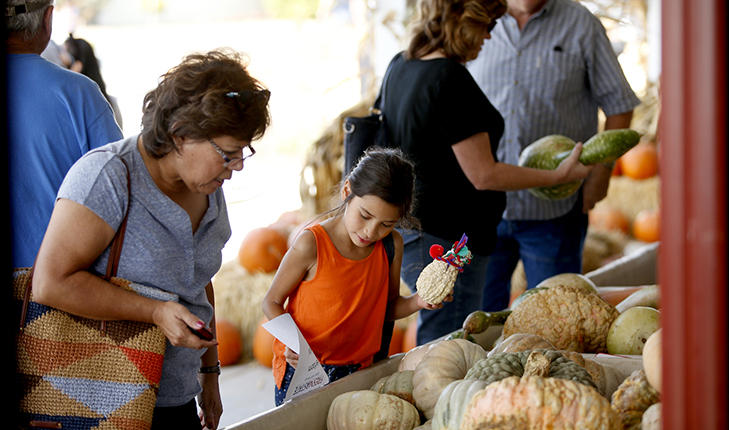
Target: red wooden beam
693,256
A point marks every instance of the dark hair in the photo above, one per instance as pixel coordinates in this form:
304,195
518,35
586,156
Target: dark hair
451,25
386,173
82,51
191,100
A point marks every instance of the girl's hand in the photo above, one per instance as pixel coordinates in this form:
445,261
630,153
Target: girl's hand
425,305
570,169
291,357
211,407
175,322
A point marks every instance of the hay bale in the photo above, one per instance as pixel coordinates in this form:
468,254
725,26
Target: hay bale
238,298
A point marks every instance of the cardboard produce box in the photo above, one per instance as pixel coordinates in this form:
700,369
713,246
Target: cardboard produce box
309,411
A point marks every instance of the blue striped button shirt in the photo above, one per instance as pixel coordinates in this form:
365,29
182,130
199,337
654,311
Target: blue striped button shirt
549,78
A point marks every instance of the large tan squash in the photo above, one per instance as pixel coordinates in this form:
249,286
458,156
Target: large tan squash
445,362
368,410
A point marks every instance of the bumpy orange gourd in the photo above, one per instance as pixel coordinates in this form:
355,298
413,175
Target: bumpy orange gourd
263,345
646,226
533,403
230,342
262,250
641,162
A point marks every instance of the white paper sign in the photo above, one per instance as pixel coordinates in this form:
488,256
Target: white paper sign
308,374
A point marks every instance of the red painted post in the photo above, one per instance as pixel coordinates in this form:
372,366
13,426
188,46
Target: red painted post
693,256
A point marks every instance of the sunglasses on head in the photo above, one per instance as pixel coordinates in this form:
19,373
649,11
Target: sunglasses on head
490,26
244,98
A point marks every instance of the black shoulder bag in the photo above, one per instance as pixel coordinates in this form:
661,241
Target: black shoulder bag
361,132
387,326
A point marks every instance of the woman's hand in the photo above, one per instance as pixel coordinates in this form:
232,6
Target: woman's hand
291,357
211,407
570,169
175,321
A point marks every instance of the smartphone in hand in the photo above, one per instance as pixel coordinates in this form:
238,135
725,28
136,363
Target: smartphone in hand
202,333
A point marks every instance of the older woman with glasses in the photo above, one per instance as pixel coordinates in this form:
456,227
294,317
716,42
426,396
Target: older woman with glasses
197,128
439,116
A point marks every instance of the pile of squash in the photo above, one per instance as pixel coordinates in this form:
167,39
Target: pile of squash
536,376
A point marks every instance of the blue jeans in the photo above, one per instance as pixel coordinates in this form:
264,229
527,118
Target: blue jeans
467,292
546,248
334,373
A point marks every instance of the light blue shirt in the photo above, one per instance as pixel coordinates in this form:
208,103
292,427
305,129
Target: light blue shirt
549,78
160,248
54,116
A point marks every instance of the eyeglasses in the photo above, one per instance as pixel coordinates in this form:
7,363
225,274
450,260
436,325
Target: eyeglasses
232,163
491,25
244,98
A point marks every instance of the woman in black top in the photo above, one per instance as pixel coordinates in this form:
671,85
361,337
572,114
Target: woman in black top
439,116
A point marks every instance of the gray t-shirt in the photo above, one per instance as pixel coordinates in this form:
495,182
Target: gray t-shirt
159,249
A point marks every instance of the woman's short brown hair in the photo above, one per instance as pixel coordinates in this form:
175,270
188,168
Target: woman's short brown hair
455,26
191,100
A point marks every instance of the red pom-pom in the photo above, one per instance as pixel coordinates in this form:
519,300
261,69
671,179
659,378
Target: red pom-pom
436,251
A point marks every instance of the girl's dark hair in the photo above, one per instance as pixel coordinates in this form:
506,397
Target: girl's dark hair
192,100
386,173
451,25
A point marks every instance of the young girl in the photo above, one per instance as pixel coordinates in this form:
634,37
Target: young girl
336,276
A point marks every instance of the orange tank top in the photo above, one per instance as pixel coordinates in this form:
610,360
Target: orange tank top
340,311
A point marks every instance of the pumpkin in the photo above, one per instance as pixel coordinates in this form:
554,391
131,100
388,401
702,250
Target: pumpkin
632,398
569,317
263,344
647,225
230,342
652,417
411,358
445,362
262,250
519,342
366,410
631,329
608,218
398,384
652,359
535,403
646,295
641,162
453,401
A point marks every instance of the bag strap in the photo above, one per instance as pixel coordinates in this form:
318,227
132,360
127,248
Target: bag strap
387,326
118,241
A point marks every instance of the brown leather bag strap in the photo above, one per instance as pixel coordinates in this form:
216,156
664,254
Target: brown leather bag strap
118,241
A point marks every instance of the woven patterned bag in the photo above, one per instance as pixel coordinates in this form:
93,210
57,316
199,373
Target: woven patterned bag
80,373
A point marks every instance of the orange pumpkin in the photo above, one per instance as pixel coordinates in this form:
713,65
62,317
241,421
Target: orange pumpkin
646,226
641,162
263,344
604,217
409,340
262,250
230,342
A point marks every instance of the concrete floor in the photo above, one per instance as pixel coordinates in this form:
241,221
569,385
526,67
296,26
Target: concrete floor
246,390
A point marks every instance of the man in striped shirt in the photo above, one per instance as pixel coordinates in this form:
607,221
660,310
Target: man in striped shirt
548,68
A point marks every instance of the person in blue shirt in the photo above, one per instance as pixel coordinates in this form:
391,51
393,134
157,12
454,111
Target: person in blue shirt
547,69
54,116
